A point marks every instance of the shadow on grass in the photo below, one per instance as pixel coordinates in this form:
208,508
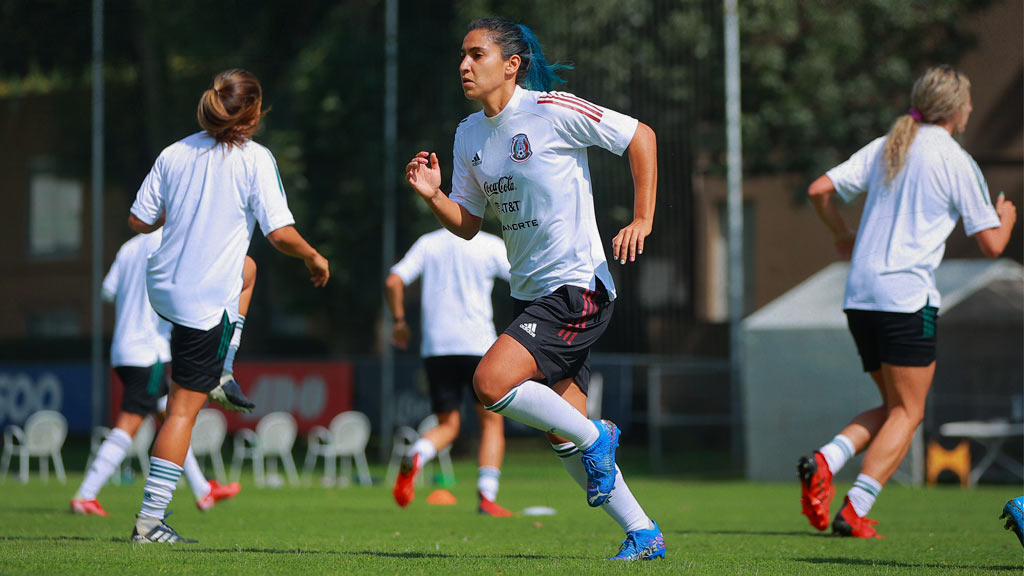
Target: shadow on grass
198,549
60,539
370,553
894,564
747,533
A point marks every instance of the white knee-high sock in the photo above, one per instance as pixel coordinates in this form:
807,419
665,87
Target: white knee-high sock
621,506
863,494
196,478
108,458
236,341
425,448
163,477
837,452
540,407
488,481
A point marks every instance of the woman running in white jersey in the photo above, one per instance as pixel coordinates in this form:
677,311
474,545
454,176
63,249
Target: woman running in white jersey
525,154
208,192
919,182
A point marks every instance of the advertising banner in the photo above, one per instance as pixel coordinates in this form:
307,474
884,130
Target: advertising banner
28,388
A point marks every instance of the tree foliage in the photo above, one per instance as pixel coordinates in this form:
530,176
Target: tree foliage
820,78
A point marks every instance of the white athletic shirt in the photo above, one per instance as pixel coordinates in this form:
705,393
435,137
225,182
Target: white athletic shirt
905,224
141,338
458,276
529,162
213,197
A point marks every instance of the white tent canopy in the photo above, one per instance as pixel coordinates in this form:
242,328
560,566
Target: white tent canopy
803,379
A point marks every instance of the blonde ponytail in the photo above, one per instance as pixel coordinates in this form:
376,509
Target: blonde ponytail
939,94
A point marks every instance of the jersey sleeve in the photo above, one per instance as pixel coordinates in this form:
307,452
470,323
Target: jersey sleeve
465,190
267,199
584,124
149,202
851,177
970,197
112,281
410,266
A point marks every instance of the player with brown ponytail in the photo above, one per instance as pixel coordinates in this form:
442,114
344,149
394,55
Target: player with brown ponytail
208,205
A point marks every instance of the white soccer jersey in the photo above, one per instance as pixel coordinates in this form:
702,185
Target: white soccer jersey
529,162
905,224
458,276
141,338
213,196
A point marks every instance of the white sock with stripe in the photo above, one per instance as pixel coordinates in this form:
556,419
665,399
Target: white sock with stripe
837,452
196,479
108,458
863,494
159,489
540,407
488,481
425,448
621,506
236,341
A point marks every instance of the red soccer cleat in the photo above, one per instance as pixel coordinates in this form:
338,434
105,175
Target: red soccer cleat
88,507
404,490
816,489
847,523
491,508
218,492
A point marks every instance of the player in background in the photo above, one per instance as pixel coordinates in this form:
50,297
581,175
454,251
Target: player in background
919,182
525,154
139,353
457,329
208,192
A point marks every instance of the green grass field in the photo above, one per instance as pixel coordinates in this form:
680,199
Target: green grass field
710,528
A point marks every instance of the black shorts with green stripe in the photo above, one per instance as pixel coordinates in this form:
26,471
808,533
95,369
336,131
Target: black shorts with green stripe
197,356
143,386
896,338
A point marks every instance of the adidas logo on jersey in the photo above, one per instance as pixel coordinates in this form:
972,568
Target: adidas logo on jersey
530,328
476,159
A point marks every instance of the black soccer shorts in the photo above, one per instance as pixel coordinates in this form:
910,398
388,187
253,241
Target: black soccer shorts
896,338
143,386
559,329
197,356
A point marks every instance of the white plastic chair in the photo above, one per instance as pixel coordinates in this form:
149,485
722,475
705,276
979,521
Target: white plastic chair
207,438
42,437
274,437
347,438
406,437
141,443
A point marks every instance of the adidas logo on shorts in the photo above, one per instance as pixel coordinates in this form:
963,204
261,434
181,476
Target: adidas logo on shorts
530,328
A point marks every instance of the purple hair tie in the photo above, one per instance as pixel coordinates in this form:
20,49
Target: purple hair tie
914,114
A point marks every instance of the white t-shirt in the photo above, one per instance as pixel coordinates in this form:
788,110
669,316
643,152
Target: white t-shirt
141,338
529,162
458,276
213,197
905,224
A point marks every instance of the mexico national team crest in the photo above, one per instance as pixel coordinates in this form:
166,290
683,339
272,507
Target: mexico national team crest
521,149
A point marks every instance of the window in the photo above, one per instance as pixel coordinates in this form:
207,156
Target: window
55,213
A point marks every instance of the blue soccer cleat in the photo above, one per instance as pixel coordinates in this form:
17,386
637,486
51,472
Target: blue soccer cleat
642,545
599,462
1013,511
